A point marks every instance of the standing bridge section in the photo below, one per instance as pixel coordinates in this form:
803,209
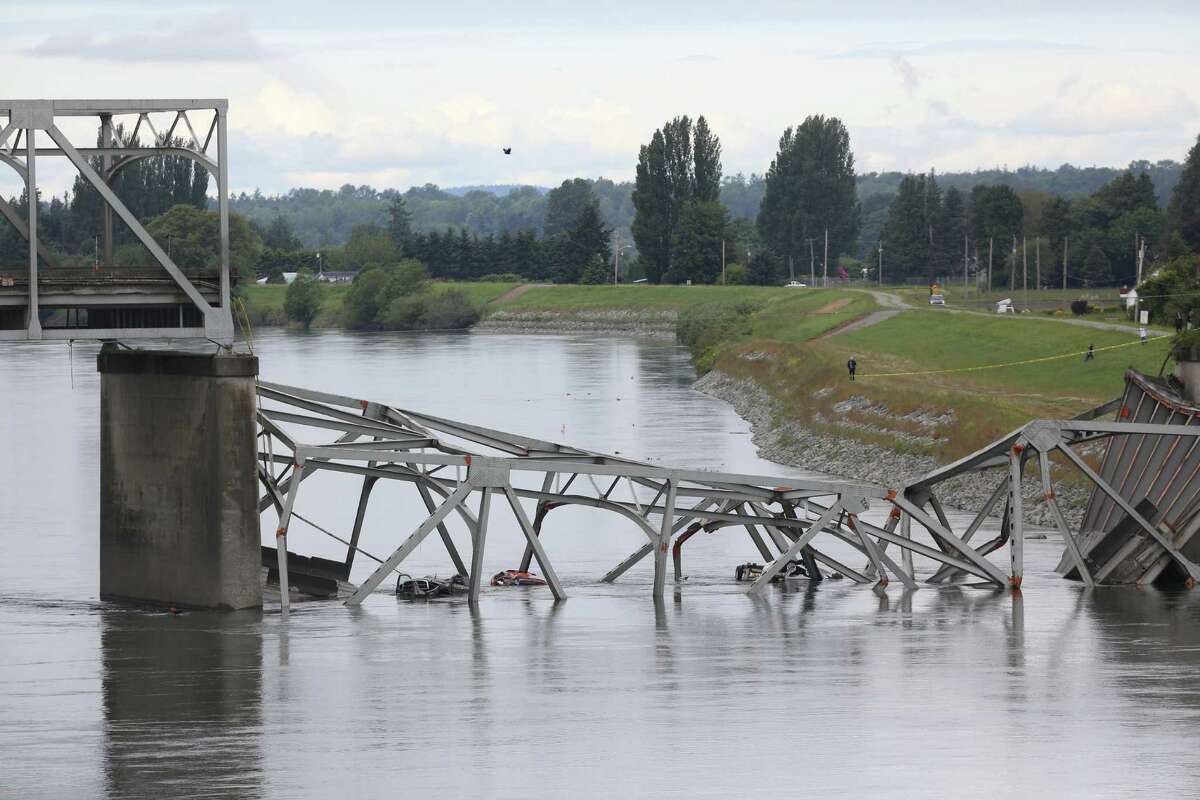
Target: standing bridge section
43,299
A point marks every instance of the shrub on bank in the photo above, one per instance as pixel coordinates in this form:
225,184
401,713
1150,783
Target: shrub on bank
1080,307
704,328
400,297
1186,346
303,299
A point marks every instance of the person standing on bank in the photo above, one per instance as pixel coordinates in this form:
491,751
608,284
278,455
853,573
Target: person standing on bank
1090,355
852,365
1142,334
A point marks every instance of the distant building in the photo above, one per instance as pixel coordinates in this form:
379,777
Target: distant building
288,277
336,277
1131,298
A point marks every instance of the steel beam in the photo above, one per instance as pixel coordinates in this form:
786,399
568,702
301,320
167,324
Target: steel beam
771,570
402,552
478,543
33,324
531,539
1060,521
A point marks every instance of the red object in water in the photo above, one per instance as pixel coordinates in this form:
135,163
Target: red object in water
512,577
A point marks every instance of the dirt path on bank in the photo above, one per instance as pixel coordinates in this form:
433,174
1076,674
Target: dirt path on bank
892,305
517,291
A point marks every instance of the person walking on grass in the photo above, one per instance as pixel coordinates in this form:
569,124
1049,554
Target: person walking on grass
1090,355
1142,334
852,366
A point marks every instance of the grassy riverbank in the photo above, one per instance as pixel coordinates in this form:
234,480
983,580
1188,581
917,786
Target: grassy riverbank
933,382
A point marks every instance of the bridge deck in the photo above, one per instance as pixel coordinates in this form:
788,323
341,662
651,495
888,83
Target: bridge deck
118,298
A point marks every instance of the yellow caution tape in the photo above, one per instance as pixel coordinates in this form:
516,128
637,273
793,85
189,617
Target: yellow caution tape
1009,364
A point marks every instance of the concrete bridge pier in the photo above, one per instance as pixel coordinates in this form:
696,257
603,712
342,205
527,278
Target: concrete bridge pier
179,520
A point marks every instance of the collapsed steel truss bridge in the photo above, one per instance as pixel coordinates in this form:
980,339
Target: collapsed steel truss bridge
787,519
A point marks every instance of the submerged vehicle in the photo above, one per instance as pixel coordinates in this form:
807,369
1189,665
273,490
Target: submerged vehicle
750,572
429,587
512,577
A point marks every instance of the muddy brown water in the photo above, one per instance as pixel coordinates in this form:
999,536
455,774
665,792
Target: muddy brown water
838,691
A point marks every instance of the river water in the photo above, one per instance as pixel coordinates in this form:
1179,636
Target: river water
839,691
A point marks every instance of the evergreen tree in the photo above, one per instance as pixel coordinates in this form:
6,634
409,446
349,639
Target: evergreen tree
525,255
995,216
595,272
1056,227
400,225
505,263
950,231
707,160
696,246
680,165
148,187
681,174
764,269
810,188
1096,268
931,209
906,233
1183,212
587,240
652,201
279,235
464,255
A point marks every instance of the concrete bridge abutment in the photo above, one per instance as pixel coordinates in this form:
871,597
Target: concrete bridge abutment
179,521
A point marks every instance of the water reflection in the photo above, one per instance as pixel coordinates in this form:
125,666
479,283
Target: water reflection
182,704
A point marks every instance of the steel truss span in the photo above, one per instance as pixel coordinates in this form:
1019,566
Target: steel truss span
457,469
113,301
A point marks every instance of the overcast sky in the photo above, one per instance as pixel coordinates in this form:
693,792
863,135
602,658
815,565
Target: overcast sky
396,94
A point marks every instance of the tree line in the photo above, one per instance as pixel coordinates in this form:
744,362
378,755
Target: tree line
1010,239
681,219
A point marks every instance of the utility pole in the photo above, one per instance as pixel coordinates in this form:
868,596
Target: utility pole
881,263
1012,270
617,256
1025,269
812,264
825,266
1037,251
966,255
990,242
722,262
1065,240
1141,257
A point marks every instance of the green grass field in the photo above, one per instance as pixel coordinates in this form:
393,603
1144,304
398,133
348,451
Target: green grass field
638,297
930,340
804,314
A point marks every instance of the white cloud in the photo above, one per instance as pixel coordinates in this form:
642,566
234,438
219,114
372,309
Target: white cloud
220,37
907,74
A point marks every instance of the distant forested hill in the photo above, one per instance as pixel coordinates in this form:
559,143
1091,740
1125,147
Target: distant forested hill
324,217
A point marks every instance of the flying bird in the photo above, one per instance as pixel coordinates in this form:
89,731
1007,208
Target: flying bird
507,151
